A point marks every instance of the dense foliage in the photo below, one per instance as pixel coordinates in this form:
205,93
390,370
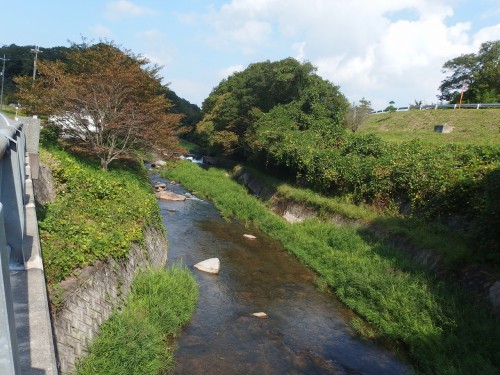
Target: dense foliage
110,99
137,340
448,182
191,112
95,214
283,89
20,63
479,72
283,117
444,331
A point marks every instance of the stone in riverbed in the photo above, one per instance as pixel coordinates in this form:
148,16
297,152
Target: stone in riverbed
160,186
170,196
261,315
211,265
249,236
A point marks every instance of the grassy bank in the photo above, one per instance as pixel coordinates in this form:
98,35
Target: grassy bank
96,214
444,330
137,340
471,126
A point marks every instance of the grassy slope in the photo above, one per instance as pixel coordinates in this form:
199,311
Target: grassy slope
470,126
137,340
444,330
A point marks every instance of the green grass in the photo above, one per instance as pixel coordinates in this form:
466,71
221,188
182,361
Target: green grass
471,126
96,214
137,340
452,247
192,148
444,330
9,111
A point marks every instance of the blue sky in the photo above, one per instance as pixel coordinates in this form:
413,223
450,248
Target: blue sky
378,49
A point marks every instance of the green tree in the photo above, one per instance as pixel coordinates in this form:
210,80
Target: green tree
391,108
110,99
479,72
230,112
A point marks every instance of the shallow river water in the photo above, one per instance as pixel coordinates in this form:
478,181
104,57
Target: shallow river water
306,332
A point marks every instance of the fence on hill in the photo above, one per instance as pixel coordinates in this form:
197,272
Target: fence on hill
441,106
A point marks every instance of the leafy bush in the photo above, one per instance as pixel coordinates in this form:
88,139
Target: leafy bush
49,134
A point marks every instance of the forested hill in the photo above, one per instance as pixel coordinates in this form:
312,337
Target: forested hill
20,63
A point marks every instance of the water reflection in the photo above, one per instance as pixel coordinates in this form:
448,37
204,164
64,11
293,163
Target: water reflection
306,331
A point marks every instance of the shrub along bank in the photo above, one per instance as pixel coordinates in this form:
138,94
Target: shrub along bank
444,330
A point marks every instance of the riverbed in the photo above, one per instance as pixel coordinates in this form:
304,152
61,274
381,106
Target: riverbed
304,331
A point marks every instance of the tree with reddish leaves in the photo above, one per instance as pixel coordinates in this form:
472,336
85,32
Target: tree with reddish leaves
109,98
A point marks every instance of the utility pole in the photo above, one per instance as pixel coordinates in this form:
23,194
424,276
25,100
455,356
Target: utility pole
3,74
36,51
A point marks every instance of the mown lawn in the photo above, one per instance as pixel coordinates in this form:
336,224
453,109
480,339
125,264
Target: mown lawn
471,126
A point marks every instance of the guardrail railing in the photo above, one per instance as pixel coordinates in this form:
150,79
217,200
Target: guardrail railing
12,222
441,106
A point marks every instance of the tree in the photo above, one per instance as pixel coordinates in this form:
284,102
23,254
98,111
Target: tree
477,74
391,107
232,109
110,99
356,114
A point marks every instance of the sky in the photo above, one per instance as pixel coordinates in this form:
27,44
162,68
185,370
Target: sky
382,50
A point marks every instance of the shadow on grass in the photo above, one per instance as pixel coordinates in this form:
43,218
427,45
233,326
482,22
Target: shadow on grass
463,335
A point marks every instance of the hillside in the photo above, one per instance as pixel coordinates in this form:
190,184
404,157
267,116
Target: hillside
480,127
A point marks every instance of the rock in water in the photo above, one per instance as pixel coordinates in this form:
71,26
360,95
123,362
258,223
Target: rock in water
249,236
211,265
261,315
170,196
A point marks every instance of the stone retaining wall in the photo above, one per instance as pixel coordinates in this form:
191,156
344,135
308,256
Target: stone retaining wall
89,299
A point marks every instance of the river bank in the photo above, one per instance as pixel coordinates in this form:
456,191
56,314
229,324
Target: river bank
402,303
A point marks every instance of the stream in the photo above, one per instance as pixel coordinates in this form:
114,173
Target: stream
305,332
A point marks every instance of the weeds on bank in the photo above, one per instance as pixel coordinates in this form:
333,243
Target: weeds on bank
444,330
136,339
96,214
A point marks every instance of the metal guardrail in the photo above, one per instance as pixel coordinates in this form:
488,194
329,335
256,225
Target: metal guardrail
12,223
442,106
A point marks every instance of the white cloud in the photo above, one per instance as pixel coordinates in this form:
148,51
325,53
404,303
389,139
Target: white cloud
226,72
101,31
124,8
299,49
382,50
486,34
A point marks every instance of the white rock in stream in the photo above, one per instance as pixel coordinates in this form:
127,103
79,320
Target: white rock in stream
211,265
249,236
261,315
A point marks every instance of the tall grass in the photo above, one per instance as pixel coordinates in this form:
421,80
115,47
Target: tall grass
444,331
136,340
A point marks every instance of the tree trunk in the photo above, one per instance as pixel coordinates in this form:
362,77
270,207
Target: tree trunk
104,164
